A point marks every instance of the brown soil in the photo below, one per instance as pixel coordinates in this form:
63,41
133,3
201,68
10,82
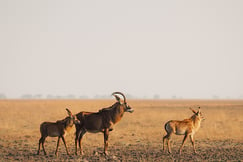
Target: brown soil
137,137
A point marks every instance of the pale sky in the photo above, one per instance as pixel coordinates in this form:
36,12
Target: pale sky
190,49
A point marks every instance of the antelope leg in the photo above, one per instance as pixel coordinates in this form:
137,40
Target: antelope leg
106,136
58,141
63,139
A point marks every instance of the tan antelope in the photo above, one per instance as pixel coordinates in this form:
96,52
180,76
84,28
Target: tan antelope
187,127
101,121
57,129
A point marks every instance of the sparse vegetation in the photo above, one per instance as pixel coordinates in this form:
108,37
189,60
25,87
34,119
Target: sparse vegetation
138,137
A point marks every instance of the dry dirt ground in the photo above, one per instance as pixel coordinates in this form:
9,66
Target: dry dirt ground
137,137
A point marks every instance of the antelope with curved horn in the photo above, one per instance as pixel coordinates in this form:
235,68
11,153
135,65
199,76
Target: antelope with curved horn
57,129
187,127
101,121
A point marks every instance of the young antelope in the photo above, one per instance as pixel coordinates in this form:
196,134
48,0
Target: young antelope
57,129
186,127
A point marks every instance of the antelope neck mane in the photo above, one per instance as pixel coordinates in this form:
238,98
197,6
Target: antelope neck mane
112,107
64,121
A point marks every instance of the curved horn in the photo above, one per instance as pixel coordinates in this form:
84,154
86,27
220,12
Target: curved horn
124,97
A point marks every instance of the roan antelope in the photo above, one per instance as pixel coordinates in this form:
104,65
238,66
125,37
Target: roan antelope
101,121
57,129
187,127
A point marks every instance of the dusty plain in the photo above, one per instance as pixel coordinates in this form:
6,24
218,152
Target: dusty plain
137,137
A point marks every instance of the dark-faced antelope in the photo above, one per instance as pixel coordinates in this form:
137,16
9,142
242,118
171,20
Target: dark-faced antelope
57,129
187,127
101,121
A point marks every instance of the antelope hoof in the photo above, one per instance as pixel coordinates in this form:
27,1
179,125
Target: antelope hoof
81,153
76,153
106,153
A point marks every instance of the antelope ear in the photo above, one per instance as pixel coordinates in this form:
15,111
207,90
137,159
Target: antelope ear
193,110
199,110
69,112
117,98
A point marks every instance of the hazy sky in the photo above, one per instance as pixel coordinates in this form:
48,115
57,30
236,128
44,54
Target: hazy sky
191,49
